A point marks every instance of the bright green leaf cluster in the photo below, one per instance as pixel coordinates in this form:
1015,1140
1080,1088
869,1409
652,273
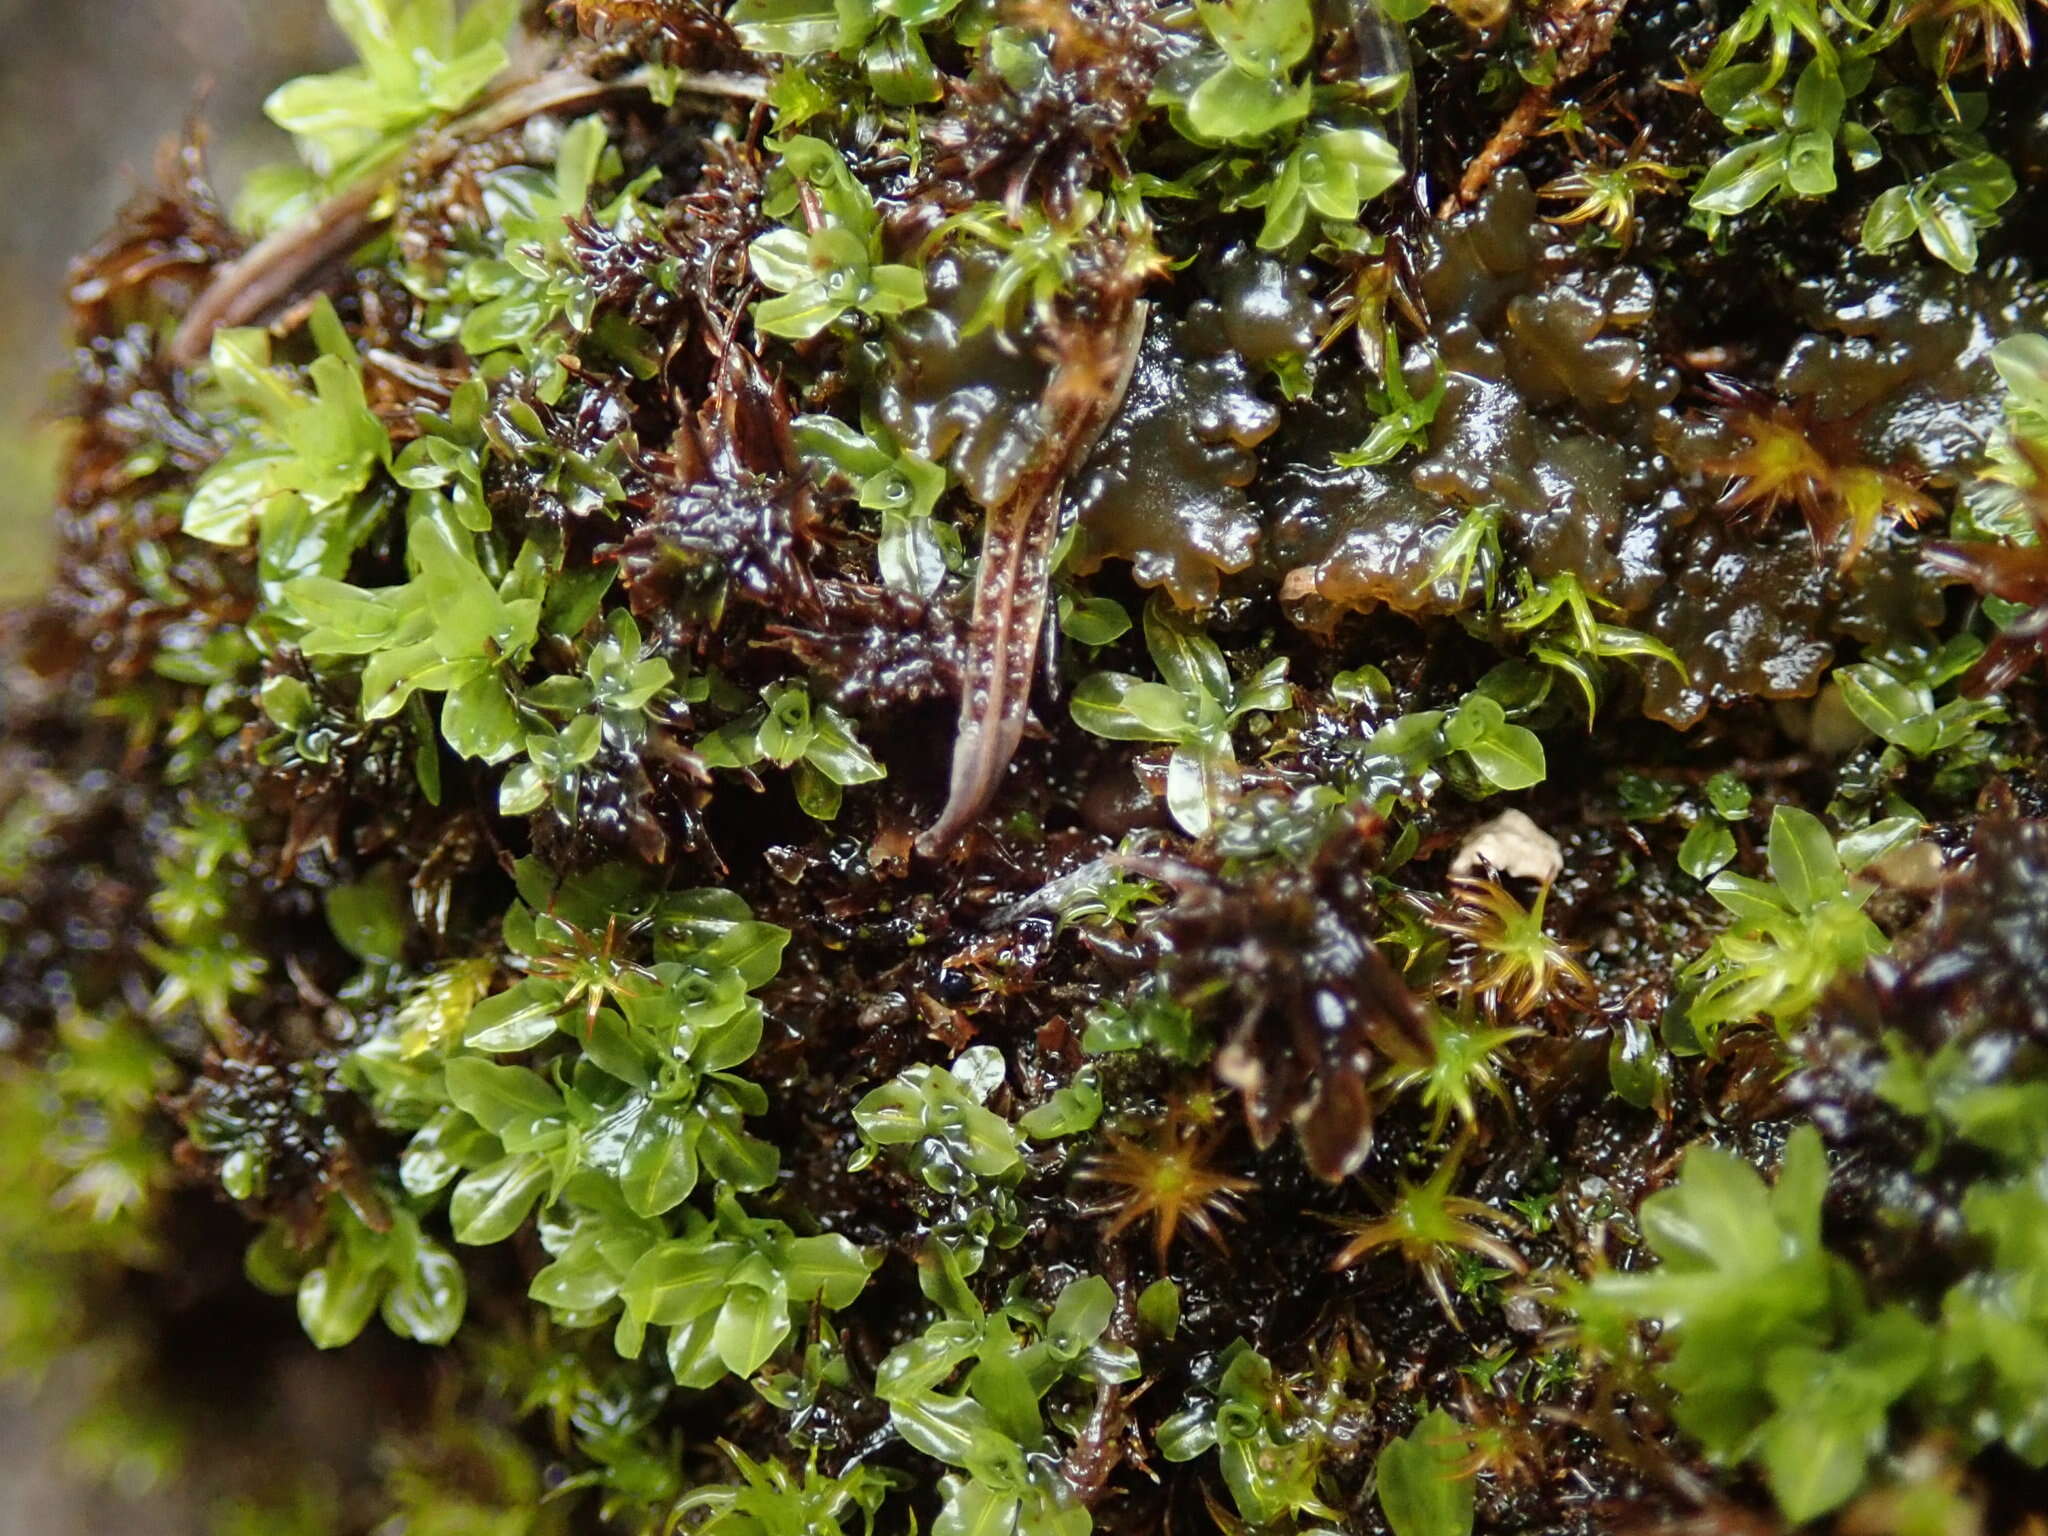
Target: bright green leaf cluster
833,265
1773,1352
815,742
511,292
451,630
1946,209
206,960
631,1108
885,37
1991,1372
1795,138
1465,1063
1793,934
1271,1437
1149,1018
84,1168
1893,696
609,702
1993,507
308,453
771,1500
1039,254
1331,173
1241,88
1194,709
726,1289
1709,845
1796,155
916,551
1477,738
394,1269
80,1169
419,61
952,1138
1994,1356
992,1426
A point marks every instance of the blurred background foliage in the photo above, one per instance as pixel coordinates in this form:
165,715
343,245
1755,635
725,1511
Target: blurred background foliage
89,89
89,92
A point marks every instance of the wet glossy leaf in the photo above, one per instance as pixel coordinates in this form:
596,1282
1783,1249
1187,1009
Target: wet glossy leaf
1267,37
751,1324
1123,708
1708,848
659,1168
1078,1318
517,1019
1803,858
1743,177
501,1099
1071,1109
1237,106
675,1282
1422,1488
337,1299
1093,620
492,1203
1159,1308
427,1298
827,1267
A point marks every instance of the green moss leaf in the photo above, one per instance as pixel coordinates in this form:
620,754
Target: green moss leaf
503,1100
1421,1488
834,751
1831,1411
1124,708
427,1296
337,1299
492,1203
753,1319
827,1268
1262,37
1708,848
659,1168
1236,106
1743,177
370,916
1159,1310
517,1019
228,500
729,1154
1803,858
1070,1110
673,1283
786,26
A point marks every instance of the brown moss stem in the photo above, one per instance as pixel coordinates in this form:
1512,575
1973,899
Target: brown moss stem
1011,586
1579,31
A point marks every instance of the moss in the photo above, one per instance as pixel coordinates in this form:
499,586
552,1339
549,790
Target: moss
460,852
